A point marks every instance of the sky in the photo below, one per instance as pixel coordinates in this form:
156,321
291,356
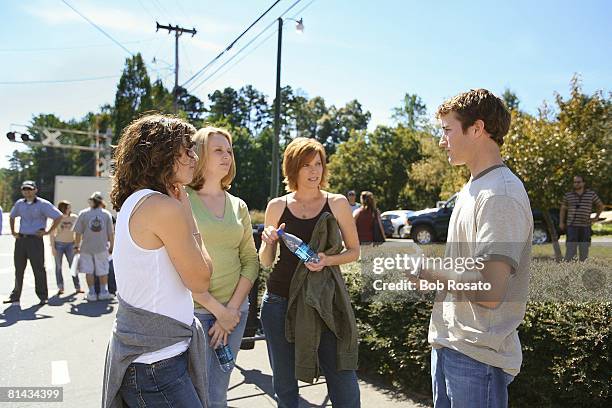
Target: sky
372,51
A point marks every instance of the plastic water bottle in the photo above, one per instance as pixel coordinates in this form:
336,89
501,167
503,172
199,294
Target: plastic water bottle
225,358
298,247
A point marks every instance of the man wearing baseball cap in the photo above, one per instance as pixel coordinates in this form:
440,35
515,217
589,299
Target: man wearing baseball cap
33,212
94,241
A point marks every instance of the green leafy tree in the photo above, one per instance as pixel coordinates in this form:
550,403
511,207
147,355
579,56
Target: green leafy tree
377,161
546,151
511,100
133,95
431,178
412,113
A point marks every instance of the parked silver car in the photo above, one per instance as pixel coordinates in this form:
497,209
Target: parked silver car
399,219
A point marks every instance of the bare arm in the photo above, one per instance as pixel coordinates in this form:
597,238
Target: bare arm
269,237
342,211
168,219
600,208
344,215
380,224
495,273
77,241
12,225
240,293
111,238
562,215
56,222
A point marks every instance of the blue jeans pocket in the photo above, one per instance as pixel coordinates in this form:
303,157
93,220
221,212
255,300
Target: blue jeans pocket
272,298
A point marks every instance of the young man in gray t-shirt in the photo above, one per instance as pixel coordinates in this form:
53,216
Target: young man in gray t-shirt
94,242
473,329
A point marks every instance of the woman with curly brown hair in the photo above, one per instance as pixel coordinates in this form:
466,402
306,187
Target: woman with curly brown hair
159,259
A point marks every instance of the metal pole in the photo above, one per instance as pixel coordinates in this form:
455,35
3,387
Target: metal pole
176,69
97,168
274,182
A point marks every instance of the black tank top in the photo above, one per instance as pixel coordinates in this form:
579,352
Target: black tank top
280,278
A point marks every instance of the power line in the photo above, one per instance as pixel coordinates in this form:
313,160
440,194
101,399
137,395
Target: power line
232,43
76,47
98,28
273,23
239,61
250,42
146,10
57,81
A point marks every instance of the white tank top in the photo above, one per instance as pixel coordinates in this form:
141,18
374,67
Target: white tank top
147,279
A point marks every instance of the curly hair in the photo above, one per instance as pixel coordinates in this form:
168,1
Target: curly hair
479,104
146,154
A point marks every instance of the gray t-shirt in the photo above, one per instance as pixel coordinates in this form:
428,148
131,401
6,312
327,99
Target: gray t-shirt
96,226
492,219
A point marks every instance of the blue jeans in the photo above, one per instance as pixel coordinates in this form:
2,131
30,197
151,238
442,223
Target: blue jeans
342,386
165,383
61,249
459,381
218,381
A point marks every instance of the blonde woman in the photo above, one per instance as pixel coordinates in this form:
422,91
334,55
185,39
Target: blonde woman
228,237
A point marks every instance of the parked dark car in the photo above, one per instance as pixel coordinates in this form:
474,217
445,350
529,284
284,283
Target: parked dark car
431,225
388,226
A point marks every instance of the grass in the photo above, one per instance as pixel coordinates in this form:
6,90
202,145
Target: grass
602,229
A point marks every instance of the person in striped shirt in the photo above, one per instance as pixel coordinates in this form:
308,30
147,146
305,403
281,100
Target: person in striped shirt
576,219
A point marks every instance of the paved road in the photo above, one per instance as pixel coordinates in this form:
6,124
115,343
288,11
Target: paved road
63,343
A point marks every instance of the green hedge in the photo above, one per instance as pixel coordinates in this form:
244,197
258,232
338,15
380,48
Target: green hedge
566,347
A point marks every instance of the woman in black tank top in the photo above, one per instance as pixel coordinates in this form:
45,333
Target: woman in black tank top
280,278
305,173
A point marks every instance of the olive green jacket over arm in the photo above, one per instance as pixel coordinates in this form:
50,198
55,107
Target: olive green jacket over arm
320,300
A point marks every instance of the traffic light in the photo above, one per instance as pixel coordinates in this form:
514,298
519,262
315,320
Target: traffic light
12,135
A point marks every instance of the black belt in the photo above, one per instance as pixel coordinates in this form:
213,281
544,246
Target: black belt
28,236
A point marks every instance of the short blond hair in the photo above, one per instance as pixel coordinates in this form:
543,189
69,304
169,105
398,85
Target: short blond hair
201,147
299,152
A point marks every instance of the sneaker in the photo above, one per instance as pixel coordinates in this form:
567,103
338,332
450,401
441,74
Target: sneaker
105,295
92,297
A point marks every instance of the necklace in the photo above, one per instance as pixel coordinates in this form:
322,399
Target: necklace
304,207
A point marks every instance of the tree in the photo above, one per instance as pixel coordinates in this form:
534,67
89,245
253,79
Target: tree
377,161
431,178
133,94
412,113
254,107
225,107
511,100
545,152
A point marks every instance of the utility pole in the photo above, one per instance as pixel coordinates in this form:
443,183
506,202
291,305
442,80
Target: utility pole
177,33
275,176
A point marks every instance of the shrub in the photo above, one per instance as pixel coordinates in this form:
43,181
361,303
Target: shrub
566,344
